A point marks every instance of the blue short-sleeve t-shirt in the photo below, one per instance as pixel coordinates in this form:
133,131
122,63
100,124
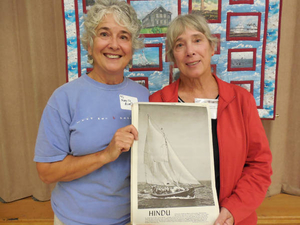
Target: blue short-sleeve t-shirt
81,118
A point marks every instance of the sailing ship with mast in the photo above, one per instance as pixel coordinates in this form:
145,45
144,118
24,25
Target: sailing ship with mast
164,171
143,62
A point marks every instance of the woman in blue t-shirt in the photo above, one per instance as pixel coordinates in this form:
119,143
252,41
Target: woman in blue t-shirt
85,134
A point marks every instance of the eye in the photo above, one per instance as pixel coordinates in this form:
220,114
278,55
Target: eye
178,45
124,37
103,34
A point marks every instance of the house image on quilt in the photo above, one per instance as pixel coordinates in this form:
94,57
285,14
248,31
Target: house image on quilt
157,17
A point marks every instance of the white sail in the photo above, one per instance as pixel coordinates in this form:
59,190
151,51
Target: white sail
163,167
143,59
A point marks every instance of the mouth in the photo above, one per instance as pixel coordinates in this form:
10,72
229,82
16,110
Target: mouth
112,56
192,63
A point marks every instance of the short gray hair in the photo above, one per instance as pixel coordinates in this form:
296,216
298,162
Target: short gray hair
194,20
124,15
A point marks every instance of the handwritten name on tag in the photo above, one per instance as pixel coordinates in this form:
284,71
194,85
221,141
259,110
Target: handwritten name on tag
127,101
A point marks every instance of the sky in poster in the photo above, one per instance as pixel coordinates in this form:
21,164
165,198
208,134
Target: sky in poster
187,130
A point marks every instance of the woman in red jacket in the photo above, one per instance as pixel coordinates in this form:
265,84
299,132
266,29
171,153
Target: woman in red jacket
242,155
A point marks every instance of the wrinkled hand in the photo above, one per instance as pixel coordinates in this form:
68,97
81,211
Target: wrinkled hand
224,218
121,142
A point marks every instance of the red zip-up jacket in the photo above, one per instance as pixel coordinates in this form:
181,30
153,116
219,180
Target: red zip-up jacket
244,153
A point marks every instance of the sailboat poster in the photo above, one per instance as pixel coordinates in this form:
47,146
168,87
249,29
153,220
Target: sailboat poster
172,169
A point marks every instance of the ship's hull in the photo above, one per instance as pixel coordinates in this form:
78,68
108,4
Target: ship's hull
189,192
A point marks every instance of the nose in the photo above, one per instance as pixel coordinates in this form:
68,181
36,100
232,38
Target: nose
189,50
114,44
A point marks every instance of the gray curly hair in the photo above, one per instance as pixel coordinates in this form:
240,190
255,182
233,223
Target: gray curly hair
123,13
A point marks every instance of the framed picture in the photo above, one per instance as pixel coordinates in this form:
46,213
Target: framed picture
174,73
211,9
86,4
155,15
243,26
241,59
232,2
148,58
141,80
218,46
247,84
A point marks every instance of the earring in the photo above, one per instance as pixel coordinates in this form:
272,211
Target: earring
130,64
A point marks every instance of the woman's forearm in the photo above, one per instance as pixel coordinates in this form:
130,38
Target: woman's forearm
71,167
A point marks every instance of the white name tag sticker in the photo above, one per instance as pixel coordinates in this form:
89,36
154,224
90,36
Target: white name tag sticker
213,105
126,101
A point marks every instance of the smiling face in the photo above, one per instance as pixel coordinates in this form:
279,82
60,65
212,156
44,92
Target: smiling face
192,52
112,48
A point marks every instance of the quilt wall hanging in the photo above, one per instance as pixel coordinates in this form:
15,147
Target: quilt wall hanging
246,55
